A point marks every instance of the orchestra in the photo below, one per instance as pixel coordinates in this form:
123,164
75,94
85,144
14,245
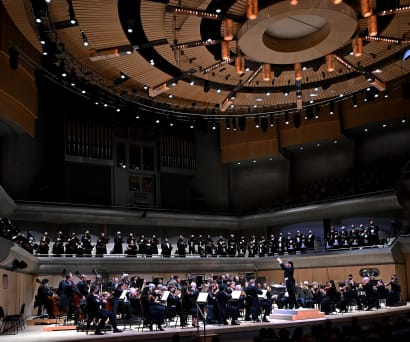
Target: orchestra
228,299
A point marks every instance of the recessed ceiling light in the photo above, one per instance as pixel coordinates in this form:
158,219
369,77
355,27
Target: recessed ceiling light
301,148
384,125
403,121
218,10
366,130
335,142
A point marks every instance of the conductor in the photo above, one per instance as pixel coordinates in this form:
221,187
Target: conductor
288,271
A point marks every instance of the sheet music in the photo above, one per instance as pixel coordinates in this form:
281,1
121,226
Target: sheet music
123,294
164,296
263,295
236,295
202,297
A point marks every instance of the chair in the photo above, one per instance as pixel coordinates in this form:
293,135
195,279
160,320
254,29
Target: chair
9,324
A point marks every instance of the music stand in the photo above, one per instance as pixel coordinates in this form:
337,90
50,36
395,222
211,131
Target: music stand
236,295
202,297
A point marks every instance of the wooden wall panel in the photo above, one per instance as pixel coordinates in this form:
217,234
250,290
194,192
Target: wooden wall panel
375,111
18,95
310,131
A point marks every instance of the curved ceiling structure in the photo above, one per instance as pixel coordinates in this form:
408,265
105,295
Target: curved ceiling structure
211,56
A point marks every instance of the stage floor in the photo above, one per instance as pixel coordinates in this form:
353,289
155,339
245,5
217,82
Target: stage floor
244,332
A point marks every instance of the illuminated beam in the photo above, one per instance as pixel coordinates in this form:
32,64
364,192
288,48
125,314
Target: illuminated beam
216,65
193,12
386,39
195,43
400,9
103,54
116,51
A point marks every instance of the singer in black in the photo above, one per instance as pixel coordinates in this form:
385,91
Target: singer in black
288,271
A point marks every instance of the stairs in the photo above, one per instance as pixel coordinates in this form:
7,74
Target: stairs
296,314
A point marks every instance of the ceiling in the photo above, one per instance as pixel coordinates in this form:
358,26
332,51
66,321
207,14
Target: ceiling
169,53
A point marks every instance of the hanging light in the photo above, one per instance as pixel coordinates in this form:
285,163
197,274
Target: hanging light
252,9
330,62
240,64
294,2
357,45
266,72
372,25
366,8
228,29
84,38
225,50
298,71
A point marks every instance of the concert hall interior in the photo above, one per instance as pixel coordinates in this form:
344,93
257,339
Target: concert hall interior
162,161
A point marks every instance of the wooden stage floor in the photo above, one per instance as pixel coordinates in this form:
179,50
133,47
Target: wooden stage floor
245,332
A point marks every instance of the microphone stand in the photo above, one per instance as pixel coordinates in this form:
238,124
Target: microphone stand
198,310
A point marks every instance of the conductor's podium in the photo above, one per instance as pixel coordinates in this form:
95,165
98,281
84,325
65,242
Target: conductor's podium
296,314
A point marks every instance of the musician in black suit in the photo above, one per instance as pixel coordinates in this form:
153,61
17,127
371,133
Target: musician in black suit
122,303
96,310
225,309
118,241
66,291
83,286
252,301
288,271
101,245
42,299
166,248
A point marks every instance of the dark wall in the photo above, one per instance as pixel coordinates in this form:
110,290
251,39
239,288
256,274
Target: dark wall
388,144
259,185
320,163
89,184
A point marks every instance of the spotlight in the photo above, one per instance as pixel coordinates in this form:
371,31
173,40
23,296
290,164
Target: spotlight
264,124
256,122
331,108
85,39
227,124
242,123
287,119
206,86
354,99
71,13
296,120
271,120
234,128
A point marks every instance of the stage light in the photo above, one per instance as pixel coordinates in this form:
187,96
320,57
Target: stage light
266,72
372,25
366,8
252,9
228,29
330,62
84,37
240,64
357,45
298,71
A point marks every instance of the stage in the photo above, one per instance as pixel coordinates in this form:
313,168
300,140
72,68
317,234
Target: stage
246,331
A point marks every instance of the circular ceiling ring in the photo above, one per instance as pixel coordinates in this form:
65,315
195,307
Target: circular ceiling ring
284,34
